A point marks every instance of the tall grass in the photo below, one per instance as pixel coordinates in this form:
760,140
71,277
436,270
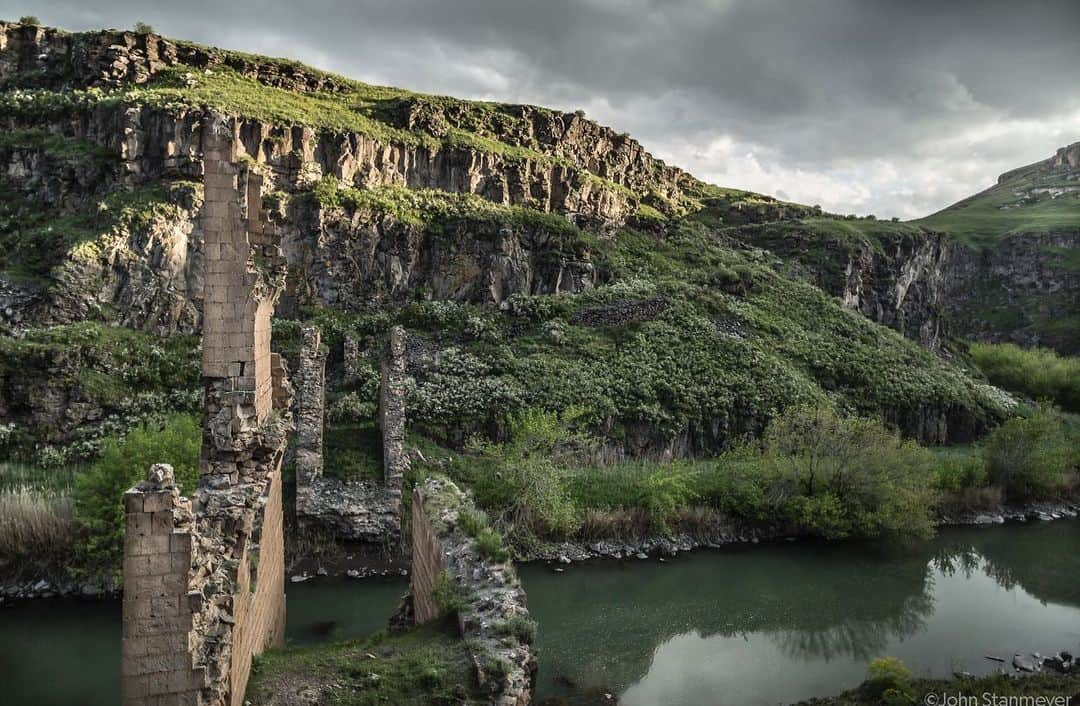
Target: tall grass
1036,372
36,526
15,475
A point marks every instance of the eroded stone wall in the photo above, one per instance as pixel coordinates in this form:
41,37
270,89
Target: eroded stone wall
361,510
310,407
392,410
492,615
204,579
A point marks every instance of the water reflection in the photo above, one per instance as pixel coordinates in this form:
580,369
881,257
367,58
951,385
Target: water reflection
783,623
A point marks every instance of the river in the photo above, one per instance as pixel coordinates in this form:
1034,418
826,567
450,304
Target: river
749,625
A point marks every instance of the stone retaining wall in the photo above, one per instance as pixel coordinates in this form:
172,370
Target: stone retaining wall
485,594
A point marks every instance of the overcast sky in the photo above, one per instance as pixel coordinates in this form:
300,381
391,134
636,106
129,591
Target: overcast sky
896,108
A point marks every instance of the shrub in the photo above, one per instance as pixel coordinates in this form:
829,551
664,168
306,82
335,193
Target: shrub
471,523
957,470
490,545
143,28
99,492
1033,458
521,479
889,680
29,20
447,594
842,477
663,493
1039,373
496,670
519,627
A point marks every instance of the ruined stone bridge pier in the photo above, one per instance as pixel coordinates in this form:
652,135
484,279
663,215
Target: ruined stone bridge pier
204,578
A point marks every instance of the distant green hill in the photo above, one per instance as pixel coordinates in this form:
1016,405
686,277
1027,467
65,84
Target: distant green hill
1041,198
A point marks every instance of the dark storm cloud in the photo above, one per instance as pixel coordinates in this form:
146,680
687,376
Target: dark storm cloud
894,107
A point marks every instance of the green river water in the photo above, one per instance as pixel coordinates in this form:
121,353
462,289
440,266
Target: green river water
743,626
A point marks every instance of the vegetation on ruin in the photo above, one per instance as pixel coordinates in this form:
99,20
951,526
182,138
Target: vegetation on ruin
427,665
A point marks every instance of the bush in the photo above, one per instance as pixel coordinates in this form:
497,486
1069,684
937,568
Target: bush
848,477
520,480
519,627
471,523
1039,373
1033,458
889,680
957,470
99,492
447,594
143,28
29,20
663,494
490,545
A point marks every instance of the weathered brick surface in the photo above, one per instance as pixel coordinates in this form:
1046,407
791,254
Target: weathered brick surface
310,403
204,580
156,662
428,562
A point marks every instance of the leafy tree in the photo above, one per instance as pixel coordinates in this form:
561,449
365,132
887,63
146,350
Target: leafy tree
843,477
143,28
521,479
29,20
99,492
1033,457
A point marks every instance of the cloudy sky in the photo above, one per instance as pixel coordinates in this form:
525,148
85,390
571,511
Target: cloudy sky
896,108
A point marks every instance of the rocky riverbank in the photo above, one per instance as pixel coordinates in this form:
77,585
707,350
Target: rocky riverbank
646,547
360,566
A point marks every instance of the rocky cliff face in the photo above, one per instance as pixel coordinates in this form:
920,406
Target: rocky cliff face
931,288
347,260
147,272
1026,290
904,286
899,278
585,153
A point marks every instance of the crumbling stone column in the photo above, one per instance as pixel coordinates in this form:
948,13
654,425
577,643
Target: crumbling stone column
244,276
392,410
310,408
350,356
158,552
206,580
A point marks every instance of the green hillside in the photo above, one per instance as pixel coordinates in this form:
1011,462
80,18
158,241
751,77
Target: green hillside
1041,198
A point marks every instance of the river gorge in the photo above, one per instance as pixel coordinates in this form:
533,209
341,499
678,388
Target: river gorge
762,624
